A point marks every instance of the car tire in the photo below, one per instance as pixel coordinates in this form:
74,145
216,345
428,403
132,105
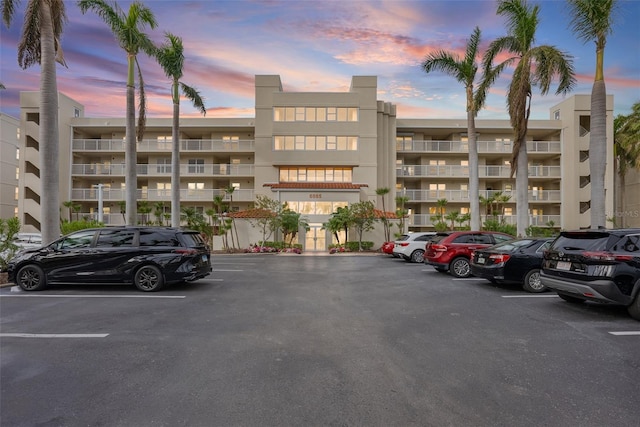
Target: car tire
31,278
532,282
460,267
634,308
148,278
570,299
417,256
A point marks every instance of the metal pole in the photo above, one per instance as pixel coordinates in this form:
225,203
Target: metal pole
100,203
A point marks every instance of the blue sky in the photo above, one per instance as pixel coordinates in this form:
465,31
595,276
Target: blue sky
315,46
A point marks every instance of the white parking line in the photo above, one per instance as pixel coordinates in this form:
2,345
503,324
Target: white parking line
469,278
55,335
95,296
622,333
216,270
529,296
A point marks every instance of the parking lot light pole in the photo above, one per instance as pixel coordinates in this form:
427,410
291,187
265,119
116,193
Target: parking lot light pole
100,202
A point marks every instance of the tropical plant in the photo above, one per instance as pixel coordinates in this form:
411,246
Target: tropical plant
382,192
269,220
229,190
128,31
170,56
145,209
464,70
123,210
452,216
8,230
158,212
363,218
534,66
626,145
71,207
190,216
592,20
401,212
40,44
291,223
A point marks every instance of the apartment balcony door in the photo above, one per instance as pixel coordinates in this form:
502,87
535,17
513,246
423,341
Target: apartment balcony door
315,239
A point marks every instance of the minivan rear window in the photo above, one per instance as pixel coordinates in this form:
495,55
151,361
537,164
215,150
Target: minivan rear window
158,238
193,240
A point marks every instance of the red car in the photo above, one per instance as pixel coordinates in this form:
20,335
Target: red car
387,247
451,251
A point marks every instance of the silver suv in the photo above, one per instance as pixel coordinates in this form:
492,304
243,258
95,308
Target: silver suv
411,246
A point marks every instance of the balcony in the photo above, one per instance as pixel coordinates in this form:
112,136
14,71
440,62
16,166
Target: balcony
153,145
459,171
209,170
463,195
424,220
484,147
154,195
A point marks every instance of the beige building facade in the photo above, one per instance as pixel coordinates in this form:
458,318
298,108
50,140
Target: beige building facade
317,152
9,170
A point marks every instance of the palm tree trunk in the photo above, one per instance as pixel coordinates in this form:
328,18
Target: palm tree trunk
598,153
474,179
522,189
175,166
49,137
130,154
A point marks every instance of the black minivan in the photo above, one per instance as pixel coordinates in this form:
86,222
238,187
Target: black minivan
148,257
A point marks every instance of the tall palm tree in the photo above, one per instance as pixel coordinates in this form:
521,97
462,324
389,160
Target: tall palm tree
170,56
464,70
592,20
128,31
626,147
385,222
534,66
40,44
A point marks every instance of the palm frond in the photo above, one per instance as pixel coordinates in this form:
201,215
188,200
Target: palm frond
194,96
592,19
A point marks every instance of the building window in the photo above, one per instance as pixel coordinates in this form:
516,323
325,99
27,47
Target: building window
556,115
196,166
315,143
315,114
164,165
315,175
16,193
17,154
164,189
164,142
76,112
17,174
194,188
18,134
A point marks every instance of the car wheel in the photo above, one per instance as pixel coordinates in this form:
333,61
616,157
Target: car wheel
634,308
148,278
460,267
417,256
31,278
572,300
532,282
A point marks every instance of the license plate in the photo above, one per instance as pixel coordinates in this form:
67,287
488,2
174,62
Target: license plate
204,258
563,265
480,260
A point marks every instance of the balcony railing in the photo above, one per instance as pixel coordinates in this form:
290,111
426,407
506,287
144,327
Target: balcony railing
186,145
424,220
463,195
455,171
486,147
216,170
155,195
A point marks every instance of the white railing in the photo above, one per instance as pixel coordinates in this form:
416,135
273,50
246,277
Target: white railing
204,195
218,169
486,171
463,195
424,220
483,146
209,145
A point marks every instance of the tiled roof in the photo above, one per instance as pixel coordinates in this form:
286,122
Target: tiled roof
316,185
251,213
389,215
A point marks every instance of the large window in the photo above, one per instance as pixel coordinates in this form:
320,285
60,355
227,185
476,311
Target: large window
316,208
315,174
196,165
315,143
315,114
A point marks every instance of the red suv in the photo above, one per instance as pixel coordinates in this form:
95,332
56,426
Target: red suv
451,251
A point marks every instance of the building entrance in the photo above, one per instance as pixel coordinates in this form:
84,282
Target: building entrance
315,239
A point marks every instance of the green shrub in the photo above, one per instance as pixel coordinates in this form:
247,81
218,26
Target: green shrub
355,246
69,227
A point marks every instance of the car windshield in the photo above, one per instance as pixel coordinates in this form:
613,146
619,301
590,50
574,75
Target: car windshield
581,242
513,245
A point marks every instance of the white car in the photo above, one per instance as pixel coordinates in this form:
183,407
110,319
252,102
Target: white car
411,246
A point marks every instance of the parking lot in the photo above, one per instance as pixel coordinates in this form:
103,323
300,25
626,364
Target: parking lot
290,340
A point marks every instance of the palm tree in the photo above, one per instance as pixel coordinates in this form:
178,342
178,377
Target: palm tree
626,147
127,29
40,44
534,66
385,222
229,191
170,56
592,20
464,70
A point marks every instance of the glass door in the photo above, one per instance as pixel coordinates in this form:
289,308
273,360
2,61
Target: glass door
315,239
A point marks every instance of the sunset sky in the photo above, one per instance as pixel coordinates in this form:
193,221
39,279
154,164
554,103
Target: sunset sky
315,46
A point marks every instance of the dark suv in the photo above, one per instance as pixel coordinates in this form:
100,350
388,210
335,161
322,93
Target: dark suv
451,251
595,265
148,257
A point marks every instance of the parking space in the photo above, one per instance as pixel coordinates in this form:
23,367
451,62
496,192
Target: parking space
301,340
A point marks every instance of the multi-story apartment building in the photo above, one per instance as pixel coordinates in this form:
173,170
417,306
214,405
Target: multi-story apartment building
318,151
9,155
